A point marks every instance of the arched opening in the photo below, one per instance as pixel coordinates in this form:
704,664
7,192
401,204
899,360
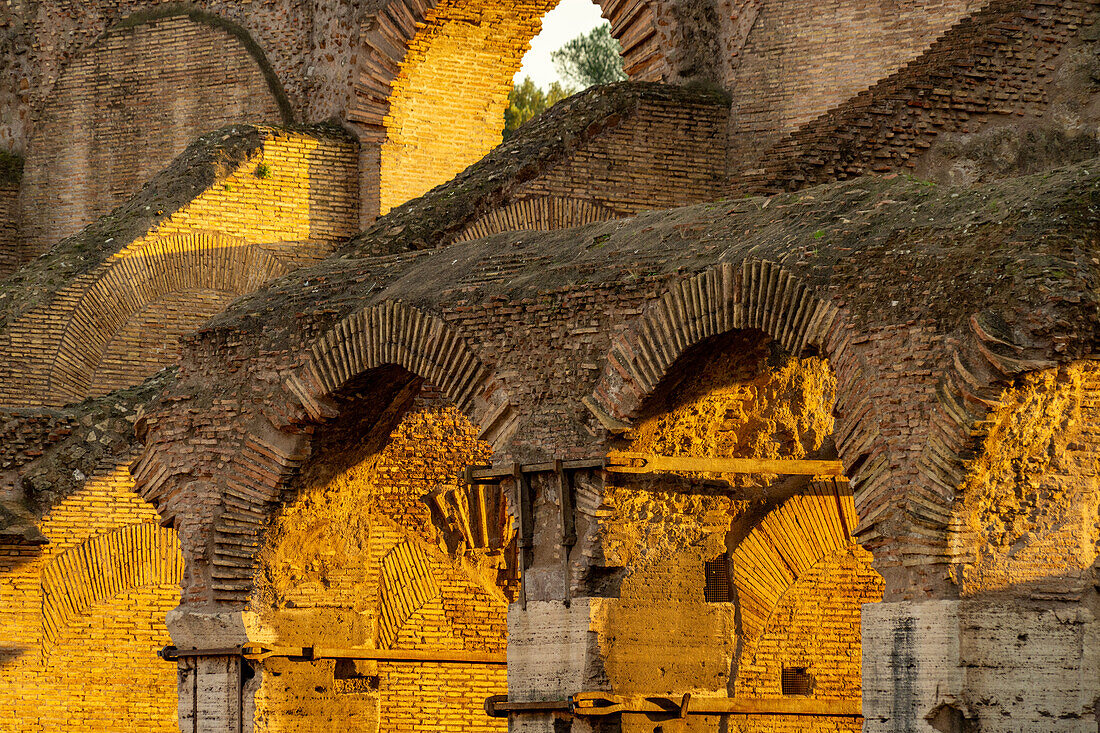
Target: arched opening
434,79
384,558
745,584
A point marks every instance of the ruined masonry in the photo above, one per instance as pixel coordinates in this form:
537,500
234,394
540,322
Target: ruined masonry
757,393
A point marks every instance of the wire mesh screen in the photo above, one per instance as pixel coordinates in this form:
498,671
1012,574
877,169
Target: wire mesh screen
717,574
796,681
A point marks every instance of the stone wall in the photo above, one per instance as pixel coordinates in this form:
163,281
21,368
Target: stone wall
289,200
123,109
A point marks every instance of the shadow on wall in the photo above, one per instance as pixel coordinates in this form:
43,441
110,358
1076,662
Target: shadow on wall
123,109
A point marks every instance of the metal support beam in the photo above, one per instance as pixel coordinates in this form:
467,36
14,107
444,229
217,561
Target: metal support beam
568,526
526,528
622,462
628,462
258,653
599,704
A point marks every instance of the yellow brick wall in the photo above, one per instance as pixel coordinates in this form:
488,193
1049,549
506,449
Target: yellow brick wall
320,582
448,100
99,672
815,625
150,339
225,243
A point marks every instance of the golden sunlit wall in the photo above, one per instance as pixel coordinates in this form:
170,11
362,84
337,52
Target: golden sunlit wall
797,578
356,561
1032,497
448,100
83,618
121,322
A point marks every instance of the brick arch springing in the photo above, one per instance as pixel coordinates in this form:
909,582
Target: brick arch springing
139,277
433,77
135,556
402,335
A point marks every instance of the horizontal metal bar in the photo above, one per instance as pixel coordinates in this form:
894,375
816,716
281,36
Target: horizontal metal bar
597,704
623,462
498,706
257,652
500,472
171,653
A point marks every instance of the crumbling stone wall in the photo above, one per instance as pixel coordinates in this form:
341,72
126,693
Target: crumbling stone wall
123,109
288,198
1028,514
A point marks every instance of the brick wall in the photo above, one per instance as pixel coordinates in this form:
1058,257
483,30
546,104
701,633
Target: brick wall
665,155
90,663
993,65
446,105
816,627
123,109
803,58
9,228
119,322
47,36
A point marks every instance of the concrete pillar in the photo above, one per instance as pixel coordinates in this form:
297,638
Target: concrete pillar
998,665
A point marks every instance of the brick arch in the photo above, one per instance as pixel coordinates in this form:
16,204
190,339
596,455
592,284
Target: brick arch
762,295
131,557
396,333
790,540
408,45
905,529
273,447
139,277
540,213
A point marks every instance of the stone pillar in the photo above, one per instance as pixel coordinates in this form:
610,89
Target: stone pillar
214,694
998,665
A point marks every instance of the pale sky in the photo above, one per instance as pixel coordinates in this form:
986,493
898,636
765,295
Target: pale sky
562,24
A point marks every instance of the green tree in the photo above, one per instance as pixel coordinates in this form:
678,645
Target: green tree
527,100
591,59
